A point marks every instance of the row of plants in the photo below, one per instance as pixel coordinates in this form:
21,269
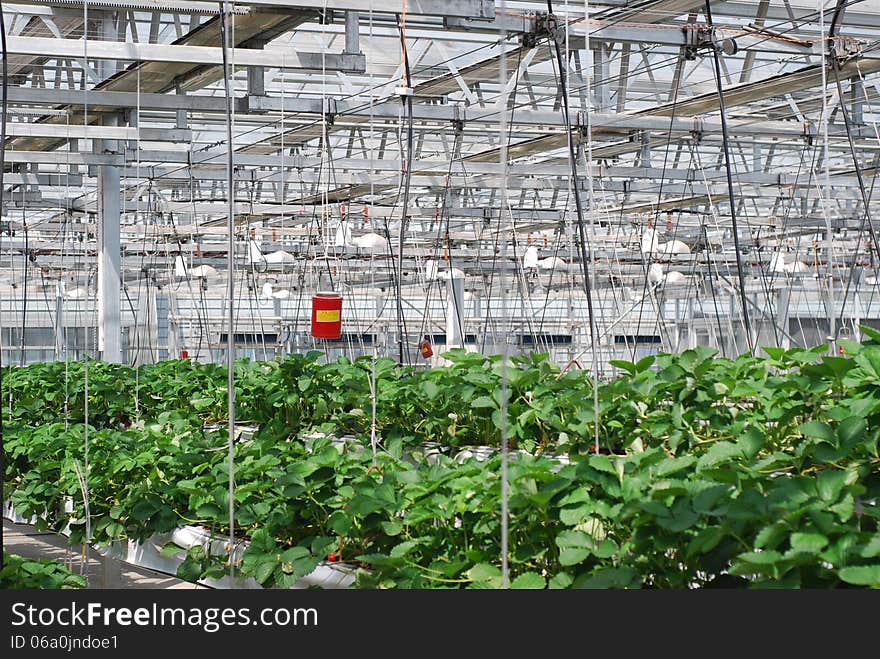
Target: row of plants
753,472
458,405
30,573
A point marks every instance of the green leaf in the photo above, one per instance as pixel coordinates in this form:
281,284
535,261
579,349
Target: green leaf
572,556
711,500
170,550
402,549
573,516
645,363
673,465
769,557
705,541
294,553
829,483
871,336
872,549
719,452
189,570
851,429
484,572
299,561
819,430
770,536
560,580
839,366
264,569
602,463
143,510
528,581
861,575
339,522
850,347
432,391
210,511
262,542
606,549
482,401
629,367
613,577
750,442
810,543
683,517
392,528
570,538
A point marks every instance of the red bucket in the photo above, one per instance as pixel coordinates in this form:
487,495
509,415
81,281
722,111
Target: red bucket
326,315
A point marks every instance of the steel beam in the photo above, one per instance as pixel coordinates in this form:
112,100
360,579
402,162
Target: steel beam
283,58
464,8
169,6
78,131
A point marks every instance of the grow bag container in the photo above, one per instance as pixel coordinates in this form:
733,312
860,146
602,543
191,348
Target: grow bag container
148,554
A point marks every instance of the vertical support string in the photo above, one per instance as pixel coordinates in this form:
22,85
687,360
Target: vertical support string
502,154
592,202
230,291
4,83
725,140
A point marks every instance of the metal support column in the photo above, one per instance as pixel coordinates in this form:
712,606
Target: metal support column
782,306
602,77
109,251
645,153
181,115
352,34
59,323
455,312
857,89
256,81
109,343
173,326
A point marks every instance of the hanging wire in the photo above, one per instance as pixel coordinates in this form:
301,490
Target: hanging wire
505,486
24,288
867,219
572,159
589,170
85,474
732,198
407,176
4,89
859,236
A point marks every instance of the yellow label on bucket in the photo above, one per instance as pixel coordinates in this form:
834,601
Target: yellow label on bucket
327,315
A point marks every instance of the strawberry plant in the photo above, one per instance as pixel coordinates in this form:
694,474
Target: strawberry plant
30,573
746,472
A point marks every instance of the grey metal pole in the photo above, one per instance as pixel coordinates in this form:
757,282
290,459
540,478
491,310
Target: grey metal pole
352,34
230,291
